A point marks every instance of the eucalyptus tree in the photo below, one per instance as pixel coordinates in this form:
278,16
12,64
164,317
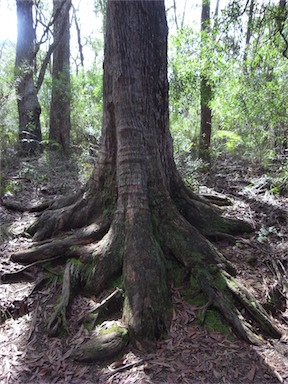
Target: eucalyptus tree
136,216
28,105
205,88
60,124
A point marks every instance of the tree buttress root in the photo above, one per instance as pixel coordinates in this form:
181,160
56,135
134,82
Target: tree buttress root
137,248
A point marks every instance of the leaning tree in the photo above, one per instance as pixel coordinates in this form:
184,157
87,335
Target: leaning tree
135,213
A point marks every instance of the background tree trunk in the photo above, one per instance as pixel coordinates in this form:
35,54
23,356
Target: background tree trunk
248,37
205,91
60,124
28,105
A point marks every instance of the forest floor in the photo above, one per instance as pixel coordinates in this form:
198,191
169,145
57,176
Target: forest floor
191,354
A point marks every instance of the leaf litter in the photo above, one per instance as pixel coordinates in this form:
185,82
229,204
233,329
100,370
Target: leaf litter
189,355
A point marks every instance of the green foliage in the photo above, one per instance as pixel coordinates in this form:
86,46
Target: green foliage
279,184
6,185
86,114
8,103
184,73
191,169
231,141
249,87
248,81
184,79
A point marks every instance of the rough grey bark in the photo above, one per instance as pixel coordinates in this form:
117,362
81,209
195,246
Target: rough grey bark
205,92
28,105
60,124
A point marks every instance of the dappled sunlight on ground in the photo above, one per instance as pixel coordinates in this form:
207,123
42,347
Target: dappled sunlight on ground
190,354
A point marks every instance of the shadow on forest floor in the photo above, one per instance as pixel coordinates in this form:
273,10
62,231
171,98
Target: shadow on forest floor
191,354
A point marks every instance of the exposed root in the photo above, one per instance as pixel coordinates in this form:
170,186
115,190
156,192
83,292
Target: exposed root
51,204
206,218
226,306
220,236
218,200
104,262
253,307
93,276
145,281
77,215
188,245
58,320
59,203
136,244
13,205
108,343
69,246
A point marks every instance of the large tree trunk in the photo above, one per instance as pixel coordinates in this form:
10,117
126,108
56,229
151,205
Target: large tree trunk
61,94
136,214
28,105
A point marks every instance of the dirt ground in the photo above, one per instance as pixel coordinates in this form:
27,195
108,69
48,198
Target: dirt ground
191,354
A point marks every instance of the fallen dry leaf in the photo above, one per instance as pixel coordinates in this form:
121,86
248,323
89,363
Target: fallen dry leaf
251,374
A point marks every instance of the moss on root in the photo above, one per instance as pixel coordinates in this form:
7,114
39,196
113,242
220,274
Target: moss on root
207,317
175,272
213,323
109,343
114,327
190,288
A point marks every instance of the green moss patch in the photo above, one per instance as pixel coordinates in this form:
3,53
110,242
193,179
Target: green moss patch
214,323
113,327
175,272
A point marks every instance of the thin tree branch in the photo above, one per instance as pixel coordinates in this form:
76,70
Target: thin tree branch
47,29
51,50
183,15
78,37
